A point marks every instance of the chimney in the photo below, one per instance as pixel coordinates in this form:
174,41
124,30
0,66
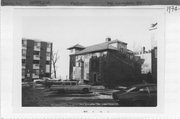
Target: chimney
108,39
144,49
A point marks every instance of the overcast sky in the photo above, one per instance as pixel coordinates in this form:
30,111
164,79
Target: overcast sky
67,27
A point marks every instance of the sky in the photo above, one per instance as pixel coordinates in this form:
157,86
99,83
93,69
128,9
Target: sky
67,27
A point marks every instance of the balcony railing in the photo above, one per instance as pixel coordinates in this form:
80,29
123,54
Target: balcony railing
47,68
36,57
35,66
48,49
24,46
24,54
37,48
48,58
23,76
35,76
23,57
23,65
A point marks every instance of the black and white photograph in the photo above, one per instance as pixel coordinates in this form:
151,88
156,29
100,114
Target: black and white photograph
91,58
89,62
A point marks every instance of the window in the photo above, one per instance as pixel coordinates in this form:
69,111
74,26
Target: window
37,44
47,62
77,64
48,45
37,56
36,52
86,65
24,42
47,68
36,71
48,54
23,52
113,45
23,61
35,61
95,77
23,72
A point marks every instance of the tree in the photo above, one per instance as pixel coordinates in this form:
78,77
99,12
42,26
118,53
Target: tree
55,58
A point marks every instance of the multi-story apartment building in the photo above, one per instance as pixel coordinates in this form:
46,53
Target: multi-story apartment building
146,56
109,63
149,66
36,59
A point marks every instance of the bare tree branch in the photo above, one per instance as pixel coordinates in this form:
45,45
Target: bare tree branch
55,58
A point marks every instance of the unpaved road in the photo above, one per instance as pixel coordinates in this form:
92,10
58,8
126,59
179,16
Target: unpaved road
44,97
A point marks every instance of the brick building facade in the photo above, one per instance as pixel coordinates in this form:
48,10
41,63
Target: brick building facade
109,63
36,59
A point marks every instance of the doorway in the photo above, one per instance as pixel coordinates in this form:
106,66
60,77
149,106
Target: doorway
95,77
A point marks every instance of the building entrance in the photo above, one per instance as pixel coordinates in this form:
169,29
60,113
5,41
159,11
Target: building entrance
95,77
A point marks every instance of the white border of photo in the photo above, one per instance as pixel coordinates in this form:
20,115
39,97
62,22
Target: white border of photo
11,28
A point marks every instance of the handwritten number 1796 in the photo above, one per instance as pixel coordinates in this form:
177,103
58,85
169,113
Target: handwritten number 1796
172,9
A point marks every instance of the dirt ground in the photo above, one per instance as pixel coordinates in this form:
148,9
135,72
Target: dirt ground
44,97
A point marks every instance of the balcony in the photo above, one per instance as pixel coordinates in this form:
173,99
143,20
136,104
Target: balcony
23,57
23,65
37,48
36,57
35,76
23,72
23,54
35,66
24,46
47,68
48,58
48,49
23,76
